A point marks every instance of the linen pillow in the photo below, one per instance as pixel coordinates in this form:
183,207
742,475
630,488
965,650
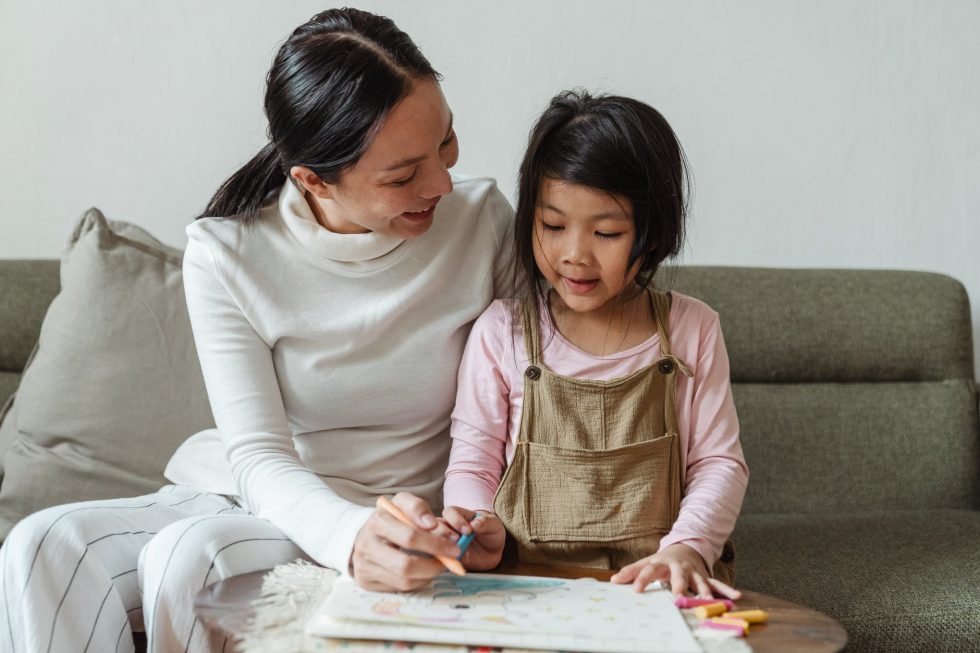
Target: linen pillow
115,384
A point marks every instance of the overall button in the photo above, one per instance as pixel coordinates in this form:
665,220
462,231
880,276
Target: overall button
666,366
533,373
728,552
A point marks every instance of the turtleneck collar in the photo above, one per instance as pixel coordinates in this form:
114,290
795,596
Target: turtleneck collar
343,248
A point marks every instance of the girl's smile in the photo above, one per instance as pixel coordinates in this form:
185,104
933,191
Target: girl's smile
580,286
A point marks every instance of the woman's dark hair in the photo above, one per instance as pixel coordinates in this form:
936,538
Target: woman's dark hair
330,86
617,145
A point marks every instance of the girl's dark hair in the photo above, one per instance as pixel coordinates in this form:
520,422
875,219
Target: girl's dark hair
331,84
614,144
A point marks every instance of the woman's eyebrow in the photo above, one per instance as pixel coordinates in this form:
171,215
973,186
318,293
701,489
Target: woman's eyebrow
418,159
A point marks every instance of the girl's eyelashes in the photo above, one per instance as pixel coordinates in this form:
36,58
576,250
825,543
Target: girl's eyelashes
449,140
607,235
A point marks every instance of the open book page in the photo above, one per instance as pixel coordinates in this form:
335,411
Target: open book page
510,611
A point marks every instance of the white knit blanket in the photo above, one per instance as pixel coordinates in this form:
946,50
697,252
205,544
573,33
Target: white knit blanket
293,591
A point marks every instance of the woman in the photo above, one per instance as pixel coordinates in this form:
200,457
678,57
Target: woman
330,310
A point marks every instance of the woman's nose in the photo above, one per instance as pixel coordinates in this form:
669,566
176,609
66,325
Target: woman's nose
438,182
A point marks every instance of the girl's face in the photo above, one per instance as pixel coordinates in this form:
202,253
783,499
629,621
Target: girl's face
394,187
582,241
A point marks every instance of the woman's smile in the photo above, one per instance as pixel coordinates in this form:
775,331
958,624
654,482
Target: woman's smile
420,216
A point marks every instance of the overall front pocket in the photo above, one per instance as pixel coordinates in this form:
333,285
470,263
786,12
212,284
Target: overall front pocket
580,495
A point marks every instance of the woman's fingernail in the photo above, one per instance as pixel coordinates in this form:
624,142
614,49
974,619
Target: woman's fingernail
453,537
428,521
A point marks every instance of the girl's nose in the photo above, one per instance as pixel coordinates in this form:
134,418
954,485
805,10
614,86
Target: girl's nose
576,250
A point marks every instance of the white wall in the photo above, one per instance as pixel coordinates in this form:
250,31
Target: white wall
829,134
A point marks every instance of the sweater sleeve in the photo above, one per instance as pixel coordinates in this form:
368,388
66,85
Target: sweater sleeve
248,410
716,475
480,420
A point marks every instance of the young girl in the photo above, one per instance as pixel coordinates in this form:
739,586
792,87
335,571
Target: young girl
594,420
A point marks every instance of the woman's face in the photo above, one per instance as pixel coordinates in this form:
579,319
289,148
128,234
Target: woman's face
394,187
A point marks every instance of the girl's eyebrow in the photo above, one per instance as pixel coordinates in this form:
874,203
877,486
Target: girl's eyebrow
608,215
418,159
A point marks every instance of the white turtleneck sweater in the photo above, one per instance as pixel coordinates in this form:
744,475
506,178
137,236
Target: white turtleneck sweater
330,360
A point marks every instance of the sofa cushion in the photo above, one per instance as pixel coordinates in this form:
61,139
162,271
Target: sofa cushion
26,290
115,385
784,325
900,581
832,447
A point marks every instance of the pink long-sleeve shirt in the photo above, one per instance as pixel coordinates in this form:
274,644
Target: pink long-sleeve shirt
487,416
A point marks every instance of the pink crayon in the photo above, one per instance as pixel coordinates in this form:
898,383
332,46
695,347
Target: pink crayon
691,602
719,624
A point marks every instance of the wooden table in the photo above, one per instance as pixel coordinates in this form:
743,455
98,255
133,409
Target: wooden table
225,607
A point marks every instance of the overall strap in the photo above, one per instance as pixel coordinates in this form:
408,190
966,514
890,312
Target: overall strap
661,311
529,320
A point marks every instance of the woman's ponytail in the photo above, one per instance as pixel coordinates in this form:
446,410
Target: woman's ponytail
245,191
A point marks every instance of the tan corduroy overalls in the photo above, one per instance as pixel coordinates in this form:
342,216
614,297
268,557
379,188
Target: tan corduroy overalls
596,478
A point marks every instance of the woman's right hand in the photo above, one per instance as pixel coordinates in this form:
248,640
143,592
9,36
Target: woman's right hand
486,549
386,551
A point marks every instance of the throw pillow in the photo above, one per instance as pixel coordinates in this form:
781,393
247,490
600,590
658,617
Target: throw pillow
115,384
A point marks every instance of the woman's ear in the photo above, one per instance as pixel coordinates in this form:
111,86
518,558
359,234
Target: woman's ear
309,181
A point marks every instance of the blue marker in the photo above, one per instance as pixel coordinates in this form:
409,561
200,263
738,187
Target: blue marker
464,540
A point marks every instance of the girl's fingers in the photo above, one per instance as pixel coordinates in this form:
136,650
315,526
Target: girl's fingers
628,573
444,529
678,579
458,518
721,588
649,573
701,585
485,523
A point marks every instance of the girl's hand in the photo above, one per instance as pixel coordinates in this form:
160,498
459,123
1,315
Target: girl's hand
487,547
682,567
386,552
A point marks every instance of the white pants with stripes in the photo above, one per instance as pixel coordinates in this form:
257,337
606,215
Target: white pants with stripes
85,576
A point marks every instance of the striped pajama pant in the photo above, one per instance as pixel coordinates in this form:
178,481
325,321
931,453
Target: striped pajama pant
86,576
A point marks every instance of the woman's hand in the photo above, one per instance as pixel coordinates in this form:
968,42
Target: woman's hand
487,547
682,567
386,554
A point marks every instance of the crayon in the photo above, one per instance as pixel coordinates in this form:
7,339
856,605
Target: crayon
711,610
464,540
691,602
735,625
451,564
752,616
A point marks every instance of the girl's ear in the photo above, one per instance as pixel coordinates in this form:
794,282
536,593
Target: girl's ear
311,182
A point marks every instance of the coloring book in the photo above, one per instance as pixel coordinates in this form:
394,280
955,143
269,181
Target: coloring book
510,611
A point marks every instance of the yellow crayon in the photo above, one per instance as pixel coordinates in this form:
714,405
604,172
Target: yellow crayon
752,616
710,610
